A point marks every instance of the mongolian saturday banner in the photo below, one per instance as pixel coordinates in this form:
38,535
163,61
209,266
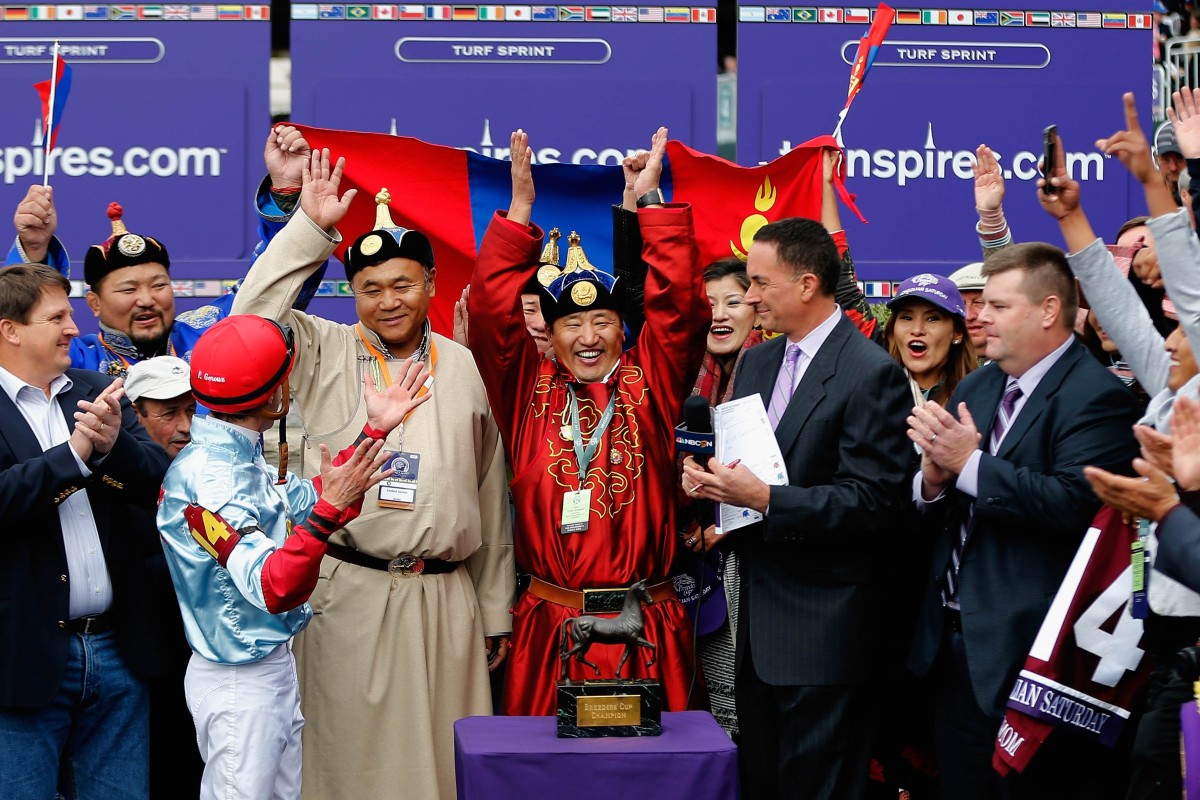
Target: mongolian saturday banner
167,115
943,82
590,84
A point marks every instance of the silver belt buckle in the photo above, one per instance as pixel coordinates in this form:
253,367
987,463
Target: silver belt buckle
406,566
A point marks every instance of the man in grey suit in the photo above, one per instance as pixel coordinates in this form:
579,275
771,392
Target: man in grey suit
1004,486
838,404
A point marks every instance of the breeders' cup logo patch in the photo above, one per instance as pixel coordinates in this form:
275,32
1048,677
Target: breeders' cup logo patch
924,279
131,245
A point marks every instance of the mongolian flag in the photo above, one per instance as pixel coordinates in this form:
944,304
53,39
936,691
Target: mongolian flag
868,48
54,98
450,195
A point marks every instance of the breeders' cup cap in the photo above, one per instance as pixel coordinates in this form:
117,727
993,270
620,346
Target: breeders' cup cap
387,241
969,278
580,287
122,249
158,378
936,289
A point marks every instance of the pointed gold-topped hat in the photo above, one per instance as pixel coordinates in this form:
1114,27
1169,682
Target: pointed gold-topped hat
387,241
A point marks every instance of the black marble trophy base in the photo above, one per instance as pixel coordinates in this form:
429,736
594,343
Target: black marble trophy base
594,709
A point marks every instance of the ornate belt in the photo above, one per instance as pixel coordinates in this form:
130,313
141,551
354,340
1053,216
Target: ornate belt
595,601
403,565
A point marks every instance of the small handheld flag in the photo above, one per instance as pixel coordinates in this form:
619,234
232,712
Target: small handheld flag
868,48
54,98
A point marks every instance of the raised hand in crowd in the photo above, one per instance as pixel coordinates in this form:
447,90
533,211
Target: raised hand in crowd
1132,148
286,156
36,220
1185,430
989,180
1149,496
630,167
387,409
520,207
461,317
345,484
649,173
946,443
98,422
830,219
319,197
1145,267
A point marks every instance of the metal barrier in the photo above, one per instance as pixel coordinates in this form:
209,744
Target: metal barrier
1159,94
1181,60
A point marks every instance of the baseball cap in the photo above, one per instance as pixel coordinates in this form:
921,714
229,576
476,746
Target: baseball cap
936,289
1164,140
158,378
969,278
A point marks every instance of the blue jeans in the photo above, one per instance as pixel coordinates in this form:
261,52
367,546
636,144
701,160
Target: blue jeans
91,742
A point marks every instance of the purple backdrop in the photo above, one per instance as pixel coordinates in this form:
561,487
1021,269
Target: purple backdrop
586,92
937,90
166,116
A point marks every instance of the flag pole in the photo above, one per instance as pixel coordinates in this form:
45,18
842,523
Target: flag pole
48,123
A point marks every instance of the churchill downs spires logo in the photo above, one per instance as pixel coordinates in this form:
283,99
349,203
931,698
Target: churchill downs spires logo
101,162
610,156
905,166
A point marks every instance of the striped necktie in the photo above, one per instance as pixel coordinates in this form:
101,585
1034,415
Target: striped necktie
1004,417
785,384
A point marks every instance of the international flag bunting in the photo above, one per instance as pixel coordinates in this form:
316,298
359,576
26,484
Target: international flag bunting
205,12
383,12
54,94
437,12
570,13
258,13
122,12
358,12
829,14
410,12
150,12
466,13
987,17
805,14
41,12
1012,18
1140,21
1087,19
678,14
176,12
545,13
961,16
71,12
934,16
1037,18
907,17
704,15
876,289
309,10
624,13
1062,19
16,13
230,12
491,13
450,195
1114,20
858,16
518,13
779,14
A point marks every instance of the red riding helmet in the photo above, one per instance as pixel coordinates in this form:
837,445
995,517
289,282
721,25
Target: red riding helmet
239,363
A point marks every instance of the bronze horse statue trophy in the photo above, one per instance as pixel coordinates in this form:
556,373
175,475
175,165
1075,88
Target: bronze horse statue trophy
579,633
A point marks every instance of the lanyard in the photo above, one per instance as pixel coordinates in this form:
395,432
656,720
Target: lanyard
585,453
381,360
112,351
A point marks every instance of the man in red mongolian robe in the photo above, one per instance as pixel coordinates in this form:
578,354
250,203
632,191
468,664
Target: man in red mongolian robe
590,433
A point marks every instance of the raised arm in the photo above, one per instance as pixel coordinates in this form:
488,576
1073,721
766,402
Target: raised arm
992,228
36,221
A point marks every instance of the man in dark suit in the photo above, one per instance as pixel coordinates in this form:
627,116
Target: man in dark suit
1005,487
838,404
73,709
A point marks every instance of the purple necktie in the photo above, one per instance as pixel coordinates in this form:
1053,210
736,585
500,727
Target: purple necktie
784,385
1004,416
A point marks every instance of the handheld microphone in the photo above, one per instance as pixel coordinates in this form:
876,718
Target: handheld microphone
695,435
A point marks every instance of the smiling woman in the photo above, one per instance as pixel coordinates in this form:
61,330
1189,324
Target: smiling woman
927,335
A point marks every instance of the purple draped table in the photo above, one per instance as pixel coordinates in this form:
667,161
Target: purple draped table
515,758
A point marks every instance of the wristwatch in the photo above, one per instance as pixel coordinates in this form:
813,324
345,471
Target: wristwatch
654,197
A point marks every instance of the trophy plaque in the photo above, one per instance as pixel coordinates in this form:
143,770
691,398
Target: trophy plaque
613,707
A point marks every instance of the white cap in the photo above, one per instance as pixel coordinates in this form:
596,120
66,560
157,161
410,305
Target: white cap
158,378
969,278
